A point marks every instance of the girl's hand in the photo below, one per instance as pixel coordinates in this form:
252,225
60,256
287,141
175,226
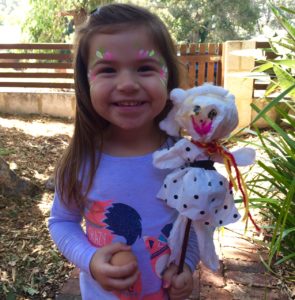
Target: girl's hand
180,286
111,277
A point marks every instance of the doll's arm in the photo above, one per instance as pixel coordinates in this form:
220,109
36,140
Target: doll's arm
184,151
243,157
170,158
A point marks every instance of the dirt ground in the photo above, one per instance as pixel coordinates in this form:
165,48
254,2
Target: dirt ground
30,265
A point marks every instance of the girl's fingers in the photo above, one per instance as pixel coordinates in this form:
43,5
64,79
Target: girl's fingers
111,249
120,271
181,286
168,275
179,281
122,283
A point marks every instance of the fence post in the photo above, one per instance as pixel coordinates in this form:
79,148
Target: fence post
237,63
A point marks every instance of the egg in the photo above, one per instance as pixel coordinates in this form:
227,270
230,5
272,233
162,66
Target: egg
122,258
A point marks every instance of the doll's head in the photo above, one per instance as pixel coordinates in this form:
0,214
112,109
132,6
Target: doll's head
207,113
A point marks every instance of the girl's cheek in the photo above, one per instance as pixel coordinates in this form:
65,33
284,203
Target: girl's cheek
91,77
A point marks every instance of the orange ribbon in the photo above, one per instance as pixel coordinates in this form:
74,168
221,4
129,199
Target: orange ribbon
229,162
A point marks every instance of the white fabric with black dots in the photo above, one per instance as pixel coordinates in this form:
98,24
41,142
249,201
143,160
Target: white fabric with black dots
202,195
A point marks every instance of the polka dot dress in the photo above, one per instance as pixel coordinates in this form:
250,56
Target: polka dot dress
198,192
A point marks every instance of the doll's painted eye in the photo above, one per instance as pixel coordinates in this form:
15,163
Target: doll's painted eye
197,109
212,114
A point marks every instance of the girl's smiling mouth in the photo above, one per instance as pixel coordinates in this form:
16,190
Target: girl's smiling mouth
129,103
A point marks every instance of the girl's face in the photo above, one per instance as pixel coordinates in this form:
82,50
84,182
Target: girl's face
127,78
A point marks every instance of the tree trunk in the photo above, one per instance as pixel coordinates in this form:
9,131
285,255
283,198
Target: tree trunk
12,185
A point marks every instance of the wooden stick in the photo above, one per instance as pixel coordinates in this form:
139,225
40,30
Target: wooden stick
184,246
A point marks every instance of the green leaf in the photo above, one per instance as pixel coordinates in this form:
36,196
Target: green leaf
31,291
285,80
288,10
283,21
290,63
271,104
4,152
288,46
266,66
272,87
284,259
11,295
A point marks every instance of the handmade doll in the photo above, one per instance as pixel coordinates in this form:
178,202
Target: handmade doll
202,196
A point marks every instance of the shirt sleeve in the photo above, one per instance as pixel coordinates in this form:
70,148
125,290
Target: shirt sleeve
192,256
65,228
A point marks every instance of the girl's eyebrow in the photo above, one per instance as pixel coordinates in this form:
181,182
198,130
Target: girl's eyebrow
102,61
148,59
99,61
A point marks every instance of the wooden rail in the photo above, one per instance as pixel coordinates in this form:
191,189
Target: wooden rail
50,65
203,63
36,66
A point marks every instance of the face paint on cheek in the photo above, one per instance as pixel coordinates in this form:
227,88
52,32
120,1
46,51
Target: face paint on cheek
163,71
91,77
141,54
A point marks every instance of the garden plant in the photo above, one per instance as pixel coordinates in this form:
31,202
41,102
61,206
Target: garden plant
273,190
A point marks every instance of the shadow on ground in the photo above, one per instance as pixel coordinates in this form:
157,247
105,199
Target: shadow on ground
30,265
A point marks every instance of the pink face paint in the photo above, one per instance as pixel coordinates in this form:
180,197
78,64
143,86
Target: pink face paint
91,76
163,72
142,54
108,55
202,129
102,54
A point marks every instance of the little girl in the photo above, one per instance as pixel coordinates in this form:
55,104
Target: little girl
125,67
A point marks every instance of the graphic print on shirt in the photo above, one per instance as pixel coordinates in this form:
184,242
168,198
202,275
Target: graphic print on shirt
97,233
123,220
159,250
105,219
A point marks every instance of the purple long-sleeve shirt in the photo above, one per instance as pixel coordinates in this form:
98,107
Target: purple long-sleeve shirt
121,207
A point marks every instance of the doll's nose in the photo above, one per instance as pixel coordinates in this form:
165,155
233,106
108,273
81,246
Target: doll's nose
127,82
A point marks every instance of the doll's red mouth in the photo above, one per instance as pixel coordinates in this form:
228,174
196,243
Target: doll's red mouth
203,128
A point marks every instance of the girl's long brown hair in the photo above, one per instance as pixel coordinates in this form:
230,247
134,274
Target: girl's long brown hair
76,169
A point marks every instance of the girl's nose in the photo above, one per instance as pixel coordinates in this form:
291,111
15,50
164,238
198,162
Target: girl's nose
127,82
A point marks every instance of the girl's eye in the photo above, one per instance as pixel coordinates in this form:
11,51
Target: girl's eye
106,70
145,68
212,114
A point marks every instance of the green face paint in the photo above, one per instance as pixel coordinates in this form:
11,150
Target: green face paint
152,53
102,54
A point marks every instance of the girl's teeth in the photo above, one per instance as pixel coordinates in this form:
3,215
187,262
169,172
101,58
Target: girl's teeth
131,103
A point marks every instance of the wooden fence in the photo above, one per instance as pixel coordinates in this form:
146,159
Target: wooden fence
36,65
50,65
203,63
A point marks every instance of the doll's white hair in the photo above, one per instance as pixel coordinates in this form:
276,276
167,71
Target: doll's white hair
178,96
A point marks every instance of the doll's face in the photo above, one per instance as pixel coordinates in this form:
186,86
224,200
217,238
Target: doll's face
204,115
203,118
